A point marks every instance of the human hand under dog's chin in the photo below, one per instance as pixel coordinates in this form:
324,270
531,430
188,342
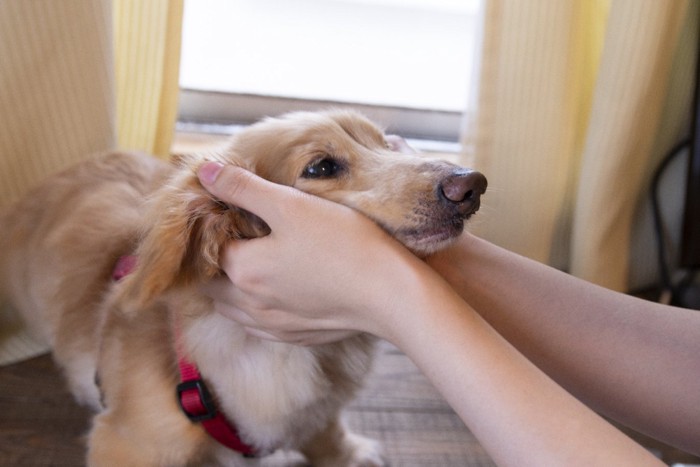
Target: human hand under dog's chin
273,325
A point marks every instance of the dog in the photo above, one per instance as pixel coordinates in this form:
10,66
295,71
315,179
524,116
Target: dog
105,259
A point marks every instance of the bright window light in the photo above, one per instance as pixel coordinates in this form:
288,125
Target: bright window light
414,54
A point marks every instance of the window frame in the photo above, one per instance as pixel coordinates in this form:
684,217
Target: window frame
225,113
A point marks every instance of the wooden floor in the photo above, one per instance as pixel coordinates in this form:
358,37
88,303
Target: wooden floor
40,425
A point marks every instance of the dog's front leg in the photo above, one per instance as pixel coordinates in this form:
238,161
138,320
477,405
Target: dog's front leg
142,423
146,433
107,446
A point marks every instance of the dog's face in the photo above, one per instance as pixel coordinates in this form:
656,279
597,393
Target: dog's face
343,157
340,156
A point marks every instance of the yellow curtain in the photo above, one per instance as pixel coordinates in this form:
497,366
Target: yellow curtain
627,123
63,101
568,124
147,36
55,88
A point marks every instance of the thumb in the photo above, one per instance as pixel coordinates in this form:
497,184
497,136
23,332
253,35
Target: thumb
243,189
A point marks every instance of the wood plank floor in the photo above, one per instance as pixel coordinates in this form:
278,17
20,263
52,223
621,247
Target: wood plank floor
40,425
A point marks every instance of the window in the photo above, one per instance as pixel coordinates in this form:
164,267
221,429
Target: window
405,63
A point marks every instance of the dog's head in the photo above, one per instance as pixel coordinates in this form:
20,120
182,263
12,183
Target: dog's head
337,155
343,157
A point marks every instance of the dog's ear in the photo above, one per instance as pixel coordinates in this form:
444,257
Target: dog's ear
184,233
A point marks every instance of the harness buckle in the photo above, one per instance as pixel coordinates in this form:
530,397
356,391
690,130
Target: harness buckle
200,409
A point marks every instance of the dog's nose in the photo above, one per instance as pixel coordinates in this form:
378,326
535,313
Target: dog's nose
464,189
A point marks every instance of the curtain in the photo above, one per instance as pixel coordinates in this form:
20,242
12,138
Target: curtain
573,111
77,78
147,36
56,88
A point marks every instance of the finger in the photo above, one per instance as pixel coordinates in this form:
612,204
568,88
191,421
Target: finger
244,189
219,289
398,144
229,301
259,333
305,338
239,316
323,337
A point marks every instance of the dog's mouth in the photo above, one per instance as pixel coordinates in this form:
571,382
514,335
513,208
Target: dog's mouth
432,237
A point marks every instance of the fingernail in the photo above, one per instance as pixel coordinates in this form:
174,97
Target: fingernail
209,171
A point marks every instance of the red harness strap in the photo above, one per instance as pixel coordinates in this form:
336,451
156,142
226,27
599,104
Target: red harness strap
199,406
193,396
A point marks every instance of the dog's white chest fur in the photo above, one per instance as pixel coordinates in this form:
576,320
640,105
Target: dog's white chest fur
260,385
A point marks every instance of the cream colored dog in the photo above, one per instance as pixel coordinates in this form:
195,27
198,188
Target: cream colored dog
60,245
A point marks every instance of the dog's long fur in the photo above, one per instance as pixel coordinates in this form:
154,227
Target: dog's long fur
60,243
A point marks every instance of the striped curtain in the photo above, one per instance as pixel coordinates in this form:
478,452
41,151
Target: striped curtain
56,88
577,102
78,77
147,36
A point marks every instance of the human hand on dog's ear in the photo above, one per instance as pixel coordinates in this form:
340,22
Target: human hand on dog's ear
310,281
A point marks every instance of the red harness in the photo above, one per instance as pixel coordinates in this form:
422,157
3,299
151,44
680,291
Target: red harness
193,396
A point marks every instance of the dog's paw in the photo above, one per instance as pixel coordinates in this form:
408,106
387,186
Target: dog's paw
360,452
367,453
339,447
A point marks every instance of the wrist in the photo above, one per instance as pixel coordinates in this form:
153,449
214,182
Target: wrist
455,262
419,299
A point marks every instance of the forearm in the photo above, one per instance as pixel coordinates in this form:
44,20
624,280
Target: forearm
635,361
520,415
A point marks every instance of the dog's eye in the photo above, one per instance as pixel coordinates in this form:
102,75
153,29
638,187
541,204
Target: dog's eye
323,168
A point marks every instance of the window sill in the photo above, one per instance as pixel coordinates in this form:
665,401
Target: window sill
193,137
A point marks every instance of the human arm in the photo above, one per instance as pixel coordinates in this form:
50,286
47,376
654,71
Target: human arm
635,361
313,272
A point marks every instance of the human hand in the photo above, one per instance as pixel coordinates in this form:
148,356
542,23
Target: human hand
398,144
311,280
